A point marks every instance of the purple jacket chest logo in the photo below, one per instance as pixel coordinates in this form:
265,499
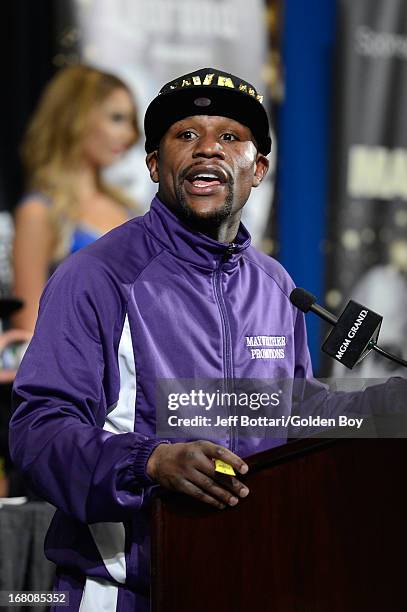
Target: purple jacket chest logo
266,347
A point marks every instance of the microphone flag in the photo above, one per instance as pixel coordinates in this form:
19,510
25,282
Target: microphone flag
354,335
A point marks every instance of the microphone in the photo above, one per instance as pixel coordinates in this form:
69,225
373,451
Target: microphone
305,301
354,333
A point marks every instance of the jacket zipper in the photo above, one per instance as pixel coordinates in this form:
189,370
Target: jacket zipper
227,353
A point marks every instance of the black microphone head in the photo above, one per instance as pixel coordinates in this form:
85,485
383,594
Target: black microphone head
302,299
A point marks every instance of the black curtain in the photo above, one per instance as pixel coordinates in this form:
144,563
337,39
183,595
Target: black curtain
32,31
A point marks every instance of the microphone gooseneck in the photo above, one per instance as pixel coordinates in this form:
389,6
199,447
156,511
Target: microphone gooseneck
384,353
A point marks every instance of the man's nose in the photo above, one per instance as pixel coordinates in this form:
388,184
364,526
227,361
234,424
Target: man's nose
208,146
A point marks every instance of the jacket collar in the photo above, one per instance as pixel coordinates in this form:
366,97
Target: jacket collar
191,246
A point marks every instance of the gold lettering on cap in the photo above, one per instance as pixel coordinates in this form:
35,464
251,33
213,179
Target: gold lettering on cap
225,81
243,88
196,80
251,91
185,83
208,79
259,97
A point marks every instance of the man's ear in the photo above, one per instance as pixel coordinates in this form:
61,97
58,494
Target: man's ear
152,165
262,165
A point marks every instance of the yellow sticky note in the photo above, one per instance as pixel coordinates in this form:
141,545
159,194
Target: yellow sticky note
224,468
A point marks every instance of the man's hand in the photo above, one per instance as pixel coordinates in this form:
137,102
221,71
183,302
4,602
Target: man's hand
188,467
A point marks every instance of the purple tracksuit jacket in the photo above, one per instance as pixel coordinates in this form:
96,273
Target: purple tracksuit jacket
149,300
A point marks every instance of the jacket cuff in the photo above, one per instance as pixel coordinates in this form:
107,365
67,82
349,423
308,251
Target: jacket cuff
141,458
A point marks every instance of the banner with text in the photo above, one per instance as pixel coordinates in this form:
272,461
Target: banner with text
367,236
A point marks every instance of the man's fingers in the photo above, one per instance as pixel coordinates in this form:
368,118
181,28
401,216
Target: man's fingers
232,484
215,451
226,482
189,467
195,491
214,489
211,451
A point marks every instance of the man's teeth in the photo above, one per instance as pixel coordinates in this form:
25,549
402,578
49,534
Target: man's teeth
205,180
205,177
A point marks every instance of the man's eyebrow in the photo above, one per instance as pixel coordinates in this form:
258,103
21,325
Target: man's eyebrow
181,125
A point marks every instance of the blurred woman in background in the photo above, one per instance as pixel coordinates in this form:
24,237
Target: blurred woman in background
85,121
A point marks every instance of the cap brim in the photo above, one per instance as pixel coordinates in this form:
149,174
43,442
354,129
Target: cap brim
168,108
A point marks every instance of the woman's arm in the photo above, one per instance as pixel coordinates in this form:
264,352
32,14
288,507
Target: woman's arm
32,254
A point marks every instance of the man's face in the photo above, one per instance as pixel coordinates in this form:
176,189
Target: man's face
206,167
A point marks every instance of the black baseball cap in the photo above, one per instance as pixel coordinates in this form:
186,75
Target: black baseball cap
207,91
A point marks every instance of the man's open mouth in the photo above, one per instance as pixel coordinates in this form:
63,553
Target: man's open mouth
205,181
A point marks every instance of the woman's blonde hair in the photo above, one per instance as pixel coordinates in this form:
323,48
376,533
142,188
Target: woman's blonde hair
52,146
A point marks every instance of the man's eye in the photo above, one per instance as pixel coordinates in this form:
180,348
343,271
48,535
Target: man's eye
229,137
187,135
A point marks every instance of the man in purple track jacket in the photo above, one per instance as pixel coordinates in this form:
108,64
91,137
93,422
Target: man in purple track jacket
176,294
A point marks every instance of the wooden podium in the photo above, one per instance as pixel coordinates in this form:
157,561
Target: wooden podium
324,529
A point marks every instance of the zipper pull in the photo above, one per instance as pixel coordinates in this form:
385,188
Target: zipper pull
230,250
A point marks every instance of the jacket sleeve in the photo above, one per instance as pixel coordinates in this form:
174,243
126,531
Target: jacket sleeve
61,393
